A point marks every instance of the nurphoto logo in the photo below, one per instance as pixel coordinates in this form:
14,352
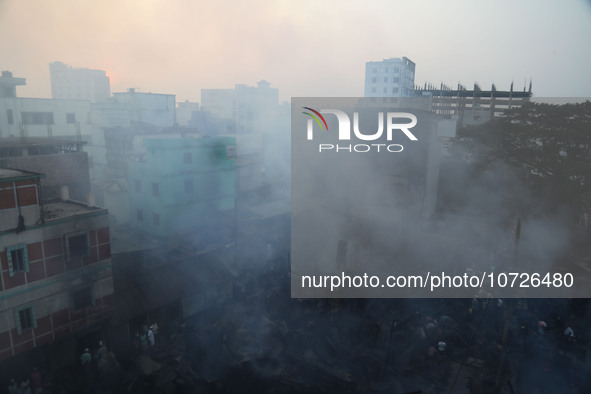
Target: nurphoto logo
390,122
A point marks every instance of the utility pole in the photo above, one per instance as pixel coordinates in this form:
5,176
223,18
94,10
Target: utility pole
507,316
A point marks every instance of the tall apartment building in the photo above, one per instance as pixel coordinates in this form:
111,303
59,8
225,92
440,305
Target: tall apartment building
55,282
78,83
393,77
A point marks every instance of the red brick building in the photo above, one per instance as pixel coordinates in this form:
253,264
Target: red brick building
55,258
62,162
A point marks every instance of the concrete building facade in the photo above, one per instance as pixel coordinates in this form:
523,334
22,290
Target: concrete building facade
473,107
63,162
37,117
78,83
251,109
183,184
185,111
389,78
124,110
132,107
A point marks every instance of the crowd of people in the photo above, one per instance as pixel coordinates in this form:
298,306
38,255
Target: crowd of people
32,384
145,339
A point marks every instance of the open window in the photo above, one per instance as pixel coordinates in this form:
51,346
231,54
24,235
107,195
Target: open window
18,259
77,245
25,318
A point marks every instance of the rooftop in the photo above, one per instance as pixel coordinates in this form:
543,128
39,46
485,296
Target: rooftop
137,92
7,79
167,142
271,209
15,142
62,209
403,59
9,174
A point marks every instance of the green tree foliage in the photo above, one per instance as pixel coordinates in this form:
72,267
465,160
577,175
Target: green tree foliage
548,147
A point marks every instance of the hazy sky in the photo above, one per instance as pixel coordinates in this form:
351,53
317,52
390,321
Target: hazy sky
304,48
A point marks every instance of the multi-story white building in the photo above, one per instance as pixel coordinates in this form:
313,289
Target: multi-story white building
251,109
254,116
78,83
127,108
393,77
39,117
184,112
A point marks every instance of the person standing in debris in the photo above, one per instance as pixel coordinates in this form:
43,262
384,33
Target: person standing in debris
569,335
144,339
86,357
137,343
102,351
13,387
542,327
26,387
37,381
151,338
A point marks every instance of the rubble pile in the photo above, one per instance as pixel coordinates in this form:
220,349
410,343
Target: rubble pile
265,342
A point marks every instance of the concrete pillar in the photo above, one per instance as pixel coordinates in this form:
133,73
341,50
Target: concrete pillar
65,193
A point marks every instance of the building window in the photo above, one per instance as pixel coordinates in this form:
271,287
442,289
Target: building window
9,116
139,215
77,245
374,80
25,319
396,69
386,70
373,90
70,118
375,70
18,259
189,186
385,90
138,186
156,219
37,117
155,190
396,80
82,298
230,152
386,80
395,90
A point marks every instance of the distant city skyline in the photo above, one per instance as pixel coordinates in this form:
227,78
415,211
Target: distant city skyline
303,48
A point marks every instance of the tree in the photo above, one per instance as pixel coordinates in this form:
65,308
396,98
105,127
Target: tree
548,147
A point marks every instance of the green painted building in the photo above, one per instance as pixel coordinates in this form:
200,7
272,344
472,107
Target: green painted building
183,185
